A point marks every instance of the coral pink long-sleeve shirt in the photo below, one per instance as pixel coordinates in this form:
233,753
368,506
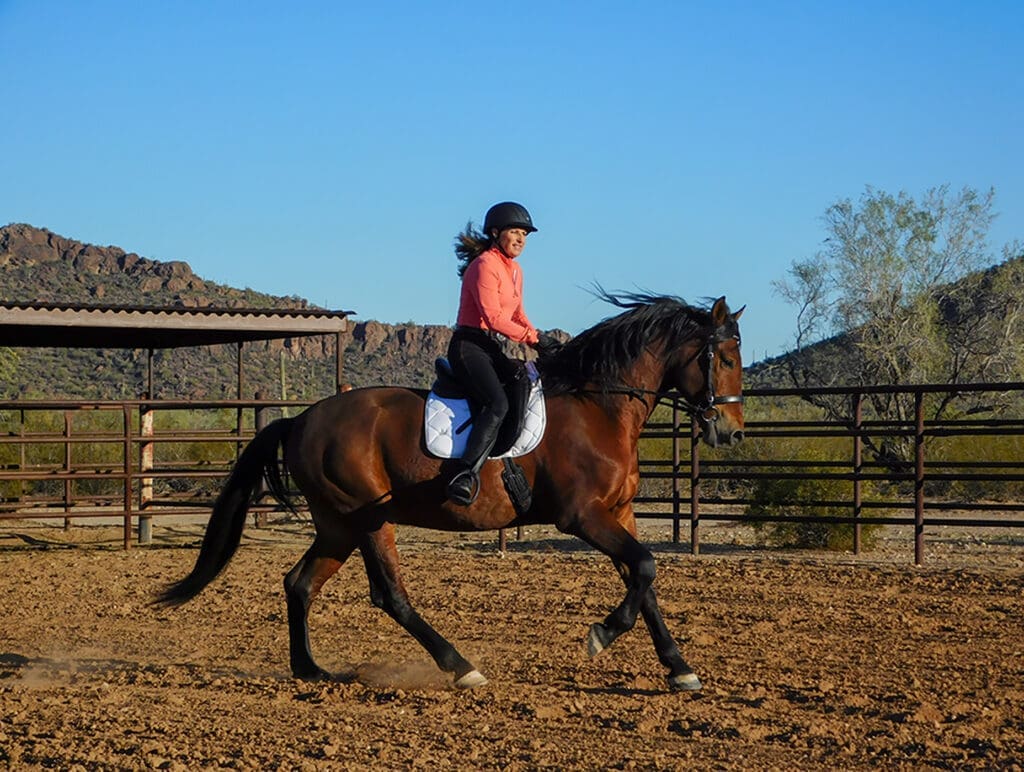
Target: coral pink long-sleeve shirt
492,297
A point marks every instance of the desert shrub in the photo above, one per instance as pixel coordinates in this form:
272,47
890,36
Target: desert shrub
814,497
991,449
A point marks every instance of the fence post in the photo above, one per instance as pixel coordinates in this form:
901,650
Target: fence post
238,410
918,477
128,487
260,422
67,470
858,467
675,473
23,458
694,488
146,450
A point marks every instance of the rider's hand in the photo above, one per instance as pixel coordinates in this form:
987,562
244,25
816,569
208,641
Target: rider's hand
546,344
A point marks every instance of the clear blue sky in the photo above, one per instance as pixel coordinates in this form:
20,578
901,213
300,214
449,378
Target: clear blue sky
332,150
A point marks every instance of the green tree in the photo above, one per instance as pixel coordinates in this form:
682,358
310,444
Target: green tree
905,291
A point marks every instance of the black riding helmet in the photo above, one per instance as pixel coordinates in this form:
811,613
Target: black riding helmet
508,214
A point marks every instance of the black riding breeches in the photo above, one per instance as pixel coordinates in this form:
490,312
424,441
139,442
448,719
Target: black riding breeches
481,367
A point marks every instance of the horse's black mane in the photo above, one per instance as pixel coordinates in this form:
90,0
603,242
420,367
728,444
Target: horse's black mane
598,358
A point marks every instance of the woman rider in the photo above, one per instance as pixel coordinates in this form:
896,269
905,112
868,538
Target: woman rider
490,312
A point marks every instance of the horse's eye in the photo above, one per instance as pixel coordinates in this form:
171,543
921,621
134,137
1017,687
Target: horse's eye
728,362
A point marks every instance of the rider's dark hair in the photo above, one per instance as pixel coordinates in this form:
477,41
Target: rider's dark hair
469,245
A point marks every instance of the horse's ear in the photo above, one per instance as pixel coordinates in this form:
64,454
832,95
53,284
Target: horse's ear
719,312
738,314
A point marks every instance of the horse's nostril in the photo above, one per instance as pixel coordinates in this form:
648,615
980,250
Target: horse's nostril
737,436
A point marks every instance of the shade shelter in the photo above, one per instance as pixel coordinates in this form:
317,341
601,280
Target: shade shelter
61,325
58,325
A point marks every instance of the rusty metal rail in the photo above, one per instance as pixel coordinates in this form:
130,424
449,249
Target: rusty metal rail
697,477
45,472
92,459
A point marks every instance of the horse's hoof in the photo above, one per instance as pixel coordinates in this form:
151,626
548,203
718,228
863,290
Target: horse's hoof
472,679
686,682
595,641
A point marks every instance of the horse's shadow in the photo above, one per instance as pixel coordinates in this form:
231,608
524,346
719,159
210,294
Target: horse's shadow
21,540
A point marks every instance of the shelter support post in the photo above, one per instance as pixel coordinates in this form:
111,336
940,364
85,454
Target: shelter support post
128,487
146,450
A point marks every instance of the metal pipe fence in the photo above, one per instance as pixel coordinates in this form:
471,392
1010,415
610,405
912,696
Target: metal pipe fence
136,460
914,490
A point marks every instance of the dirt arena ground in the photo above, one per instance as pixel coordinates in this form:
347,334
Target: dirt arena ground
809,660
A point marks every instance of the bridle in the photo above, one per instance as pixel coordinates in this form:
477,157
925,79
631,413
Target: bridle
706,410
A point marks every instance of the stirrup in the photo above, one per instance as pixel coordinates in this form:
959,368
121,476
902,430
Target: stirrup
459,496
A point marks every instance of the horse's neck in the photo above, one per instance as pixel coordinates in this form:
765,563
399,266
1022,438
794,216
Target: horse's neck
649,372
647,376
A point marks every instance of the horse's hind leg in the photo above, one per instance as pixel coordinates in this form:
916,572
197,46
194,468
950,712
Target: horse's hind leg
387,592
301,585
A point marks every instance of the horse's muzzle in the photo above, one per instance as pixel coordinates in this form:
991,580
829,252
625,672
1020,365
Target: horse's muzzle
714,435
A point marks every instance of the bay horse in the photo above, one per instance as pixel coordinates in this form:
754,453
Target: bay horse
359,460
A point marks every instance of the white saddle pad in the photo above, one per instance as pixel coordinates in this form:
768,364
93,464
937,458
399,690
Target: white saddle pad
446,425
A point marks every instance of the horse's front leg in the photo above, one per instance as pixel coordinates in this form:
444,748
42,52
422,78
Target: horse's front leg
681,676
635,565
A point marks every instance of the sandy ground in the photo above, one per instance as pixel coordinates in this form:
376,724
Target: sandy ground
809,660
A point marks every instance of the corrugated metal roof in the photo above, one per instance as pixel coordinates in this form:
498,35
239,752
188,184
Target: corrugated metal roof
75,325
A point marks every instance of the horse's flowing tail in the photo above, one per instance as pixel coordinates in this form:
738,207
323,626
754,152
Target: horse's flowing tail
224,530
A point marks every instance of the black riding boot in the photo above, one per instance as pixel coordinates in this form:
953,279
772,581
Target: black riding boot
464,487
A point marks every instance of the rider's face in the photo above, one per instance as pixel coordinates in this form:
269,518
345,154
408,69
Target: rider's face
512,241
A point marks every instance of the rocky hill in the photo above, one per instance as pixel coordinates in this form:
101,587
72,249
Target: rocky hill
37,265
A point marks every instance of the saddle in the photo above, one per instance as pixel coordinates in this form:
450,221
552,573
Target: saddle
448,416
